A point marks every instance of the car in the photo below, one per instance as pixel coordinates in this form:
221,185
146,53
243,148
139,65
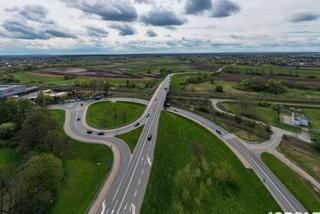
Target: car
149,137
137,124
100,133
81,104
219,132
148,115
89,132
78,119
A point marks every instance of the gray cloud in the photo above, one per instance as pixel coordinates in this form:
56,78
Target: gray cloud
197,6
224,8
96,32
303,17
151,33
124,29
162,17
35,13
21,30
109,10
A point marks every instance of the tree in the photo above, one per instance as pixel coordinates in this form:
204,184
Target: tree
94,86
219,88
38,183
106,87
40,132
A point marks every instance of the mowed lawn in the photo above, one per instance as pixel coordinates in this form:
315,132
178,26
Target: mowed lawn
131,138
295,184
108,115
85,169
176,139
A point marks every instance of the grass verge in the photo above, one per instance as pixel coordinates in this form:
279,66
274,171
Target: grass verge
295,184
131,138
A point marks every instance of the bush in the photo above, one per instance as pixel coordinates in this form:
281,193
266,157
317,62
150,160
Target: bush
38,183
7,130
261,85
219,88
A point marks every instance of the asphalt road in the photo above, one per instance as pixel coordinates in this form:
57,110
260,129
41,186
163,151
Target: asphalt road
129,195
281,194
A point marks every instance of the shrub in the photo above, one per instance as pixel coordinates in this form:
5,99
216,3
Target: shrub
219,88
7,130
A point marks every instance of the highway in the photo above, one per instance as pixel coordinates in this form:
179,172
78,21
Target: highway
129,195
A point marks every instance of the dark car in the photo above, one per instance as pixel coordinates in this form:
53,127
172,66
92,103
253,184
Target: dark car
78,119
219,132
137,124
100,133
149,137
89,132
81,104
97,98
148,115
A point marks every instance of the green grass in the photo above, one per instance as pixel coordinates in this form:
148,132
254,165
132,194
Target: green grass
173,153
108,115
131,138
264,114
83,175
303,154
296,185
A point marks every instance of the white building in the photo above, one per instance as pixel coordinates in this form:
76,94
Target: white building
10,90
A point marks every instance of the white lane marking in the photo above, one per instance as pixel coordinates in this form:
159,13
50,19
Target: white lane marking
142,158
125,207
139,181
107,211
144,163
149,161
135,193
142,171
103,207
133,209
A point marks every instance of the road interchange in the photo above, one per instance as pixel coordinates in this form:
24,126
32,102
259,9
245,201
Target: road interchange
124,189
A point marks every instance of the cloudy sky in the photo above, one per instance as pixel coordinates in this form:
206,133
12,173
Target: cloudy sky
157,26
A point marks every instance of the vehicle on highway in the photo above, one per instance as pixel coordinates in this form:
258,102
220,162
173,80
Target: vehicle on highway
97,98
219,132
89,132
78,119
81,104
166,88
100,133
148,115
149,137
137,124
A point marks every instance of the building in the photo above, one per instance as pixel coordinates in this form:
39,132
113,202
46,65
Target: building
299,120
11,90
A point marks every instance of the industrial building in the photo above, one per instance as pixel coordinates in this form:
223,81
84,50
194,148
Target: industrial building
12,90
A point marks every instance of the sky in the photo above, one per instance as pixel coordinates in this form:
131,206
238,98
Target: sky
158,26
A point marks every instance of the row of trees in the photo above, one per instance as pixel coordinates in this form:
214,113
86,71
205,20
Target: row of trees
262,85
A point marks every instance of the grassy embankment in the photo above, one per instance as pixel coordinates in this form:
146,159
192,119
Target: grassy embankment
227,187
295,184
86,167
108,115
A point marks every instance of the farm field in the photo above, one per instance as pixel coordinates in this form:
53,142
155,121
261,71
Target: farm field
179,143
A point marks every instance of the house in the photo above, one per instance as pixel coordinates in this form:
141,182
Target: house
299,120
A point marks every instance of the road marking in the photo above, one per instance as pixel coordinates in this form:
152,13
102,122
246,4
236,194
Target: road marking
142,171
125,207
135,193
139,181
133,209
142,158
149,161
144,163
103,207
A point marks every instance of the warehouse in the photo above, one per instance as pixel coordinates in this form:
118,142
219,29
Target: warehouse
10,90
